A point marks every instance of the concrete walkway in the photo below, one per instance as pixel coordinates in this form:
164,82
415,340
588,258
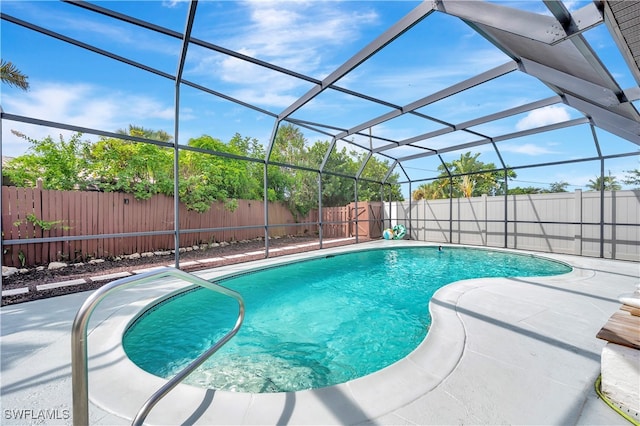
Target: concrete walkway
507,351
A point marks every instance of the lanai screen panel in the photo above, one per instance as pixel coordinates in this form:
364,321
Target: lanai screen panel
611,144
342,71
506,92
340,109
221,118
546,147
100,97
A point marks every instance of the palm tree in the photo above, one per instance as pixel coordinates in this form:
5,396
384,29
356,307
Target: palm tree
608,183
558,186
141,132
467,163
431,191
11,75
421,193
467,185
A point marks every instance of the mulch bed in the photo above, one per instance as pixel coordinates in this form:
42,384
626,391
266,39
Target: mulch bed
33,278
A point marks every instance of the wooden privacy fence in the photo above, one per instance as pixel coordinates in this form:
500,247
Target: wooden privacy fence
339,222
367,217
29,213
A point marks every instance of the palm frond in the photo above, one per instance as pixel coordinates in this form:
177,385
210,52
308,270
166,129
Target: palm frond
11,75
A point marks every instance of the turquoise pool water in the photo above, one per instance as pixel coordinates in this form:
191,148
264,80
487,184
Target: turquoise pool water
314,323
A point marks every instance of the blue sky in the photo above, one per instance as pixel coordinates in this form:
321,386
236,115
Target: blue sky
76,86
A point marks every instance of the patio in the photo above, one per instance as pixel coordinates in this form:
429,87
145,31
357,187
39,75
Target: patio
500,351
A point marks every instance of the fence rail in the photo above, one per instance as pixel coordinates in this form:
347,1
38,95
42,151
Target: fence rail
79,225
579,223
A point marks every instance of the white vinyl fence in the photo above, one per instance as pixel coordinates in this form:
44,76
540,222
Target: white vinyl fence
567,222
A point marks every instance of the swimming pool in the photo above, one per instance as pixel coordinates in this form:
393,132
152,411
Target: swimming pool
314,323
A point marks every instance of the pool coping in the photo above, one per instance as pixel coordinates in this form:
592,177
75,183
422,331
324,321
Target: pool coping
122,388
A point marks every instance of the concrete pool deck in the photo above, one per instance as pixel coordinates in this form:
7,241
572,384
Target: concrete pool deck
505,350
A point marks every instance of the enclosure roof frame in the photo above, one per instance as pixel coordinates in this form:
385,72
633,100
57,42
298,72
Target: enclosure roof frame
549,47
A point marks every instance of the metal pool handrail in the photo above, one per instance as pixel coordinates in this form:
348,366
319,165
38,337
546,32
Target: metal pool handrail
79,370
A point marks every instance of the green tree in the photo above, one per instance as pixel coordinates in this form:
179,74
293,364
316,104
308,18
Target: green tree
141,132
299,188
558,186
206,177
469,179
12,76
608,183
526,190
139,168
250,147
296,187
553,187
467,163
61,164
210,171
496,184
376,170
340,191
632,178
432,190
336,190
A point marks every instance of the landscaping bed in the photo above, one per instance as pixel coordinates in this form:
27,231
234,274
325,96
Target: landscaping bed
83,273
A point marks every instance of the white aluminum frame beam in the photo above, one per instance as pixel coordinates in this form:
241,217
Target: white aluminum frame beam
546,29
445,93
501,138
475,122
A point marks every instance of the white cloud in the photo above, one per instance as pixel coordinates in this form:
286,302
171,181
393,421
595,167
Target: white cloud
82,105
172,3
282,29
526,149
112,35
300,36
85,105
543,116
253,84
573,5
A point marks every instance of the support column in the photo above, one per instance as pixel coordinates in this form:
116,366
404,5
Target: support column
450,210
506,211
602,207
410,227
320,224
577,219
355,185
483,230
